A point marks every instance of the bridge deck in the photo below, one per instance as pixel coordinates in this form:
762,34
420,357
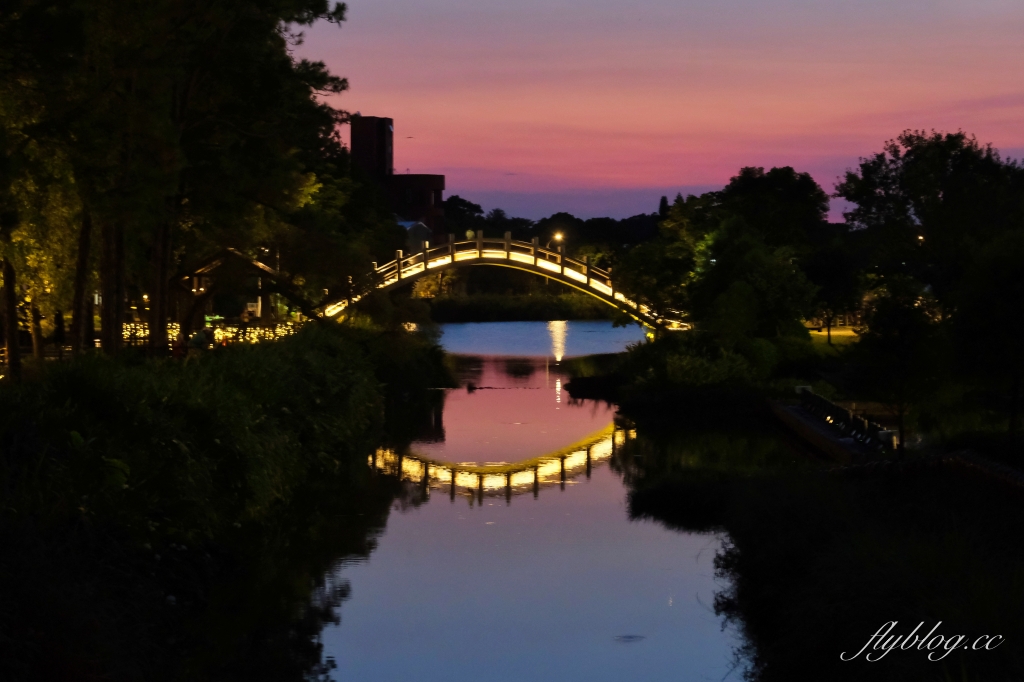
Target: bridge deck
506,252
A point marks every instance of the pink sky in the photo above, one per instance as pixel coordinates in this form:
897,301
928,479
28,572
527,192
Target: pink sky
599,107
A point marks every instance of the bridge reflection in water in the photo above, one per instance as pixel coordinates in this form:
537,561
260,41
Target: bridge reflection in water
494,479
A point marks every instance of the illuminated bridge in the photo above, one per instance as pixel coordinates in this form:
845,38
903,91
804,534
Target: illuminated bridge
497,478
528,257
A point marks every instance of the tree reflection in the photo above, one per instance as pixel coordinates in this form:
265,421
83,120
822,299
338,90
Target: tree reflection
815,560
520,368
249,605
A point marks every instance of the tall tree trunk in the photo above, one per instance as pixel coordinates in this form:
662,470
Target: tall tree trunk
79,309
112,287
38,342
828,327
267,312
119,282
11,321
899,446
158,299
1014,406
89,322
59,338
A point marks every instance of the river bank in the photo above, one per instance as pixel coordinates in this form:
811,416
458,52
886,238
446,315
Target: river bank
146,502
817,563
820,557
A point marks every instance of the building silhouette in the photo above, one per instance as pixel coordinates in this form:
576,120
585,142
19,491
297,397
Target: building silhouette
414,197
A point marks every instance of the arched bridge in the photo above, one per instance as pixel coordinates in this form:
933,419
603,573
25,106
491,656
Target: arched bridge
507,252
497,478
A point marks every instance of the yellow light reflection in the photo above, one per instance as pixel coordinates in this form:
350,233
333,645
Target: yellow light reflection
559,330
552,468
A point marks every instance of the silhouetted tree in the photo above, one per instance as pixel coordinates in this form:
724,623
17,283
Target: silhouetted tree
929,201
835,269
786,207
990,318
902,353
461,216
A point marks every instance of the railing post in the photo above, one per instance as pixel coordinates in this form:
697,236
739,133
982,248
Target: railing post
451,246
561,260
508,246
426,247
586,268
398,262
610,284
479,243
534,245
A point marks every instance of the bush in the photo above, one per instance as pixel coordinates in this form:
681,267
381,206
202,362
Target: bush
164,518
204,442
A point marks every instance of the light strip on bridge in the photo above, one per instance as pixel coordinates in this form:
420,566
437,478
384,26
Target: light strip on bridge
520,476
565,268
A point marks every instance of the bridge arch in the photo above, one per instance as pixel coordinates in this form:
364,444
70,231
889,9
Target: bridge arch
506,252
508,478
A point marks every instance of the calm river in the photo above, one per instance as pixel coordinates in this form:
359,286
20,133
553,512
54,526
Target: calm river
521,563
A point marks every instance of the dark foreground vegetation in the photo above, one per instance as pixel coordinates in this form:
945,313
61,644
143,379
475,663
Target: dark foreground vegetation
816,561
174,520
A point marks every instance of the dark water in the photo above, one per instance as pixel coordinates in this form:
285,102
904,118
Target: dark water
519,560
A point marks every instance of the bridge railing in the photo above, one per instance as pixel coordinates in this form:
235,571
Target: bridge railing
490,248
532,255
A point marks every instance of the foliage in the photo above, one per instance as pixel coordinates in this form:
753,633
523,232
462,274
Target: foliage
929,201
504,307
835,267
902,352
989,323
179,130
811,559
146,500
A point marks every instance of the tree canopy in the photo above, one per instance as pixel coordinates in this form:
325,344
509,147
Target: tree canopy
160,134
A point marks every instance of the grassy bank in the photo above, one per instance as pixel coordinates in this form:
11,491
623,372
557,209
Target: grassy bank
816,563
144,503
678,364
518,307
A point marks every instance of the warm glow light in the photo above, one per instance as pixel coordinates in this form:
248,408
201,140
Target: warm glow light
567,268
559,331
495,478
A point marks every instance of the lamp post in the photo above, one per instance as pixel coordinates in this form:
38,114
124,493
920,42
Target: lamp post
556,237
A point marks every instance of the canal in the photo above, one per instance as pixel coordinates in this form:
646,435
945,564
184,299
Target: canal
518,559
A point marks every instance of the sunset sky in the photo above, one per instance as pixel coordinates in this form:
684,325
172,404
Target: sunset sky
598,107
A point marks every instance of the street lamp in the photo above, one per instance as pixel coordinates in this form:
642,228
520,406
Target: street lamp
557,237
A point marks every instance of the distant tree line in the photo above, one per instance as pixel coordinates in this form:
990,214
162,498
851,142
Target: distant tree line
930,260
603,239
